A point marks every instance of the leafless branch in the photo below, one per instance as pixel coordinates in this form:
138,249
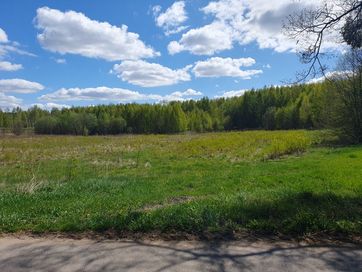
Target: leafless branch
312,25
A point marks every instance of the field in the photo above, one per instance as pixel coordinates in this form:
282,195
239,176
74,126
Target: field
282,182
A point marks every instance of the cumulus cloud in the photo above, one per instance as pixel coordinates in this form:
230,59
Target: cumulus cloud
256,20
8,66
97,93
244,22
9,102
3,36
116,95
332,75
73,32
17,85
147,74
229,94
206,40
172,18
218,67
50,106
181,96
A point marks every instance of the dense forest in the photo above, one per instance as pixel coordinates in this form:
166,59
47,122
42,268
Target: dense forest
327,104
288,107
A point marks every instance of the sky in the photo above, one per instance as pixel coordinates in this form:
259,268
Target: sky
75,53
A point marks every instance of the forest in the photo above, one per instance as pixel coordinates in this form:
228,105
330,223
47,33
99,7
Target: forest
303,106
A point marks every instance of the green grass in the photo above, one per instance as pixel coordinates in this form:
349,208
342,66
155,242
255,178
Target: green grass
268,182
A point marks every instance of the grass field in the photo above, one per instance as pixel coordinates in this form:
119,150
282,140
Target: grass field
268,182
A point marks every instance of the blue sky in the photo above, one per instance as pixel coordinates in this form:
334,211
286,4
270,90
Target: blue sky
55,53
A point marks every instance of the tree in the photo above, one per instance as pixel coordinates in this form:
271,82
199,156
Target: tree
117,125
346,88
18,127
87,123
269,121
297,106
176,118
46,125
310,27
103,121
34,113
305,112
352,31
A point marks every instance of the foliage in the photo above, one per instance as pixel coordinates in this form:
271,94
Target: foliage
287,107
46,125
345,97
117,125
18,127
352,31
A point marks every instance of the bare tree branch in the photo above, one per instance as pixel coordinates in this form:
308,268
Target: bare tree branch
312,25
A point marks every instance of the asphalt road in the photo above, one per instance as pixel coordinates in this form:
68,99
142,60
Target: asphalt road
53,254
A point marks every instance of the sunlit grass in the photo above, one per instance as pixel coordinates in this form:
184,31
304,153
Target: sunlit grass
215,182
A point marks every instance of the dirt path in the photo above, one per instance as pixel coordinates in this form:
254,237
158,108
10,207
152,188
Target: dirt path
53,254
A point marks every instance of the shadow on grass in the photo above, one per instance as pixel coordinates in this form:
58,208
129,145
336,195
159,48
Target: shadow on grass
293,214
287,213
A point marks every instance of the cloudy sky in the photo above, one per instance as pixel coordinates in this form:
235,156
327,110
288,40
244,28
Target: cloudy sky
63,53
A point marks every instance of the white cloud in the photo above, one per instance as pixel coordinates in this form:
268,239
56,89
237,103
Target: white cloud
8,66
218,67
9,102
225,9
97,93
13,47
50,106
245,22
332,75
176,30
172,18
72,32
229,94
60,61
191,92
206,40
156,10
3,36
257,21
147,74
116,95
7,47
181,96
17,85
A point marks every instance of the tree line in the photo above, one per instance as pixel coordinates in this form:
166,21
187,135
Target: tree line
287,107
303,106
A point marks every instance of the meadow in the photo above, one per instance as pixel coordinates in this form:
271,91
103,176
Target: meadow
270,182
